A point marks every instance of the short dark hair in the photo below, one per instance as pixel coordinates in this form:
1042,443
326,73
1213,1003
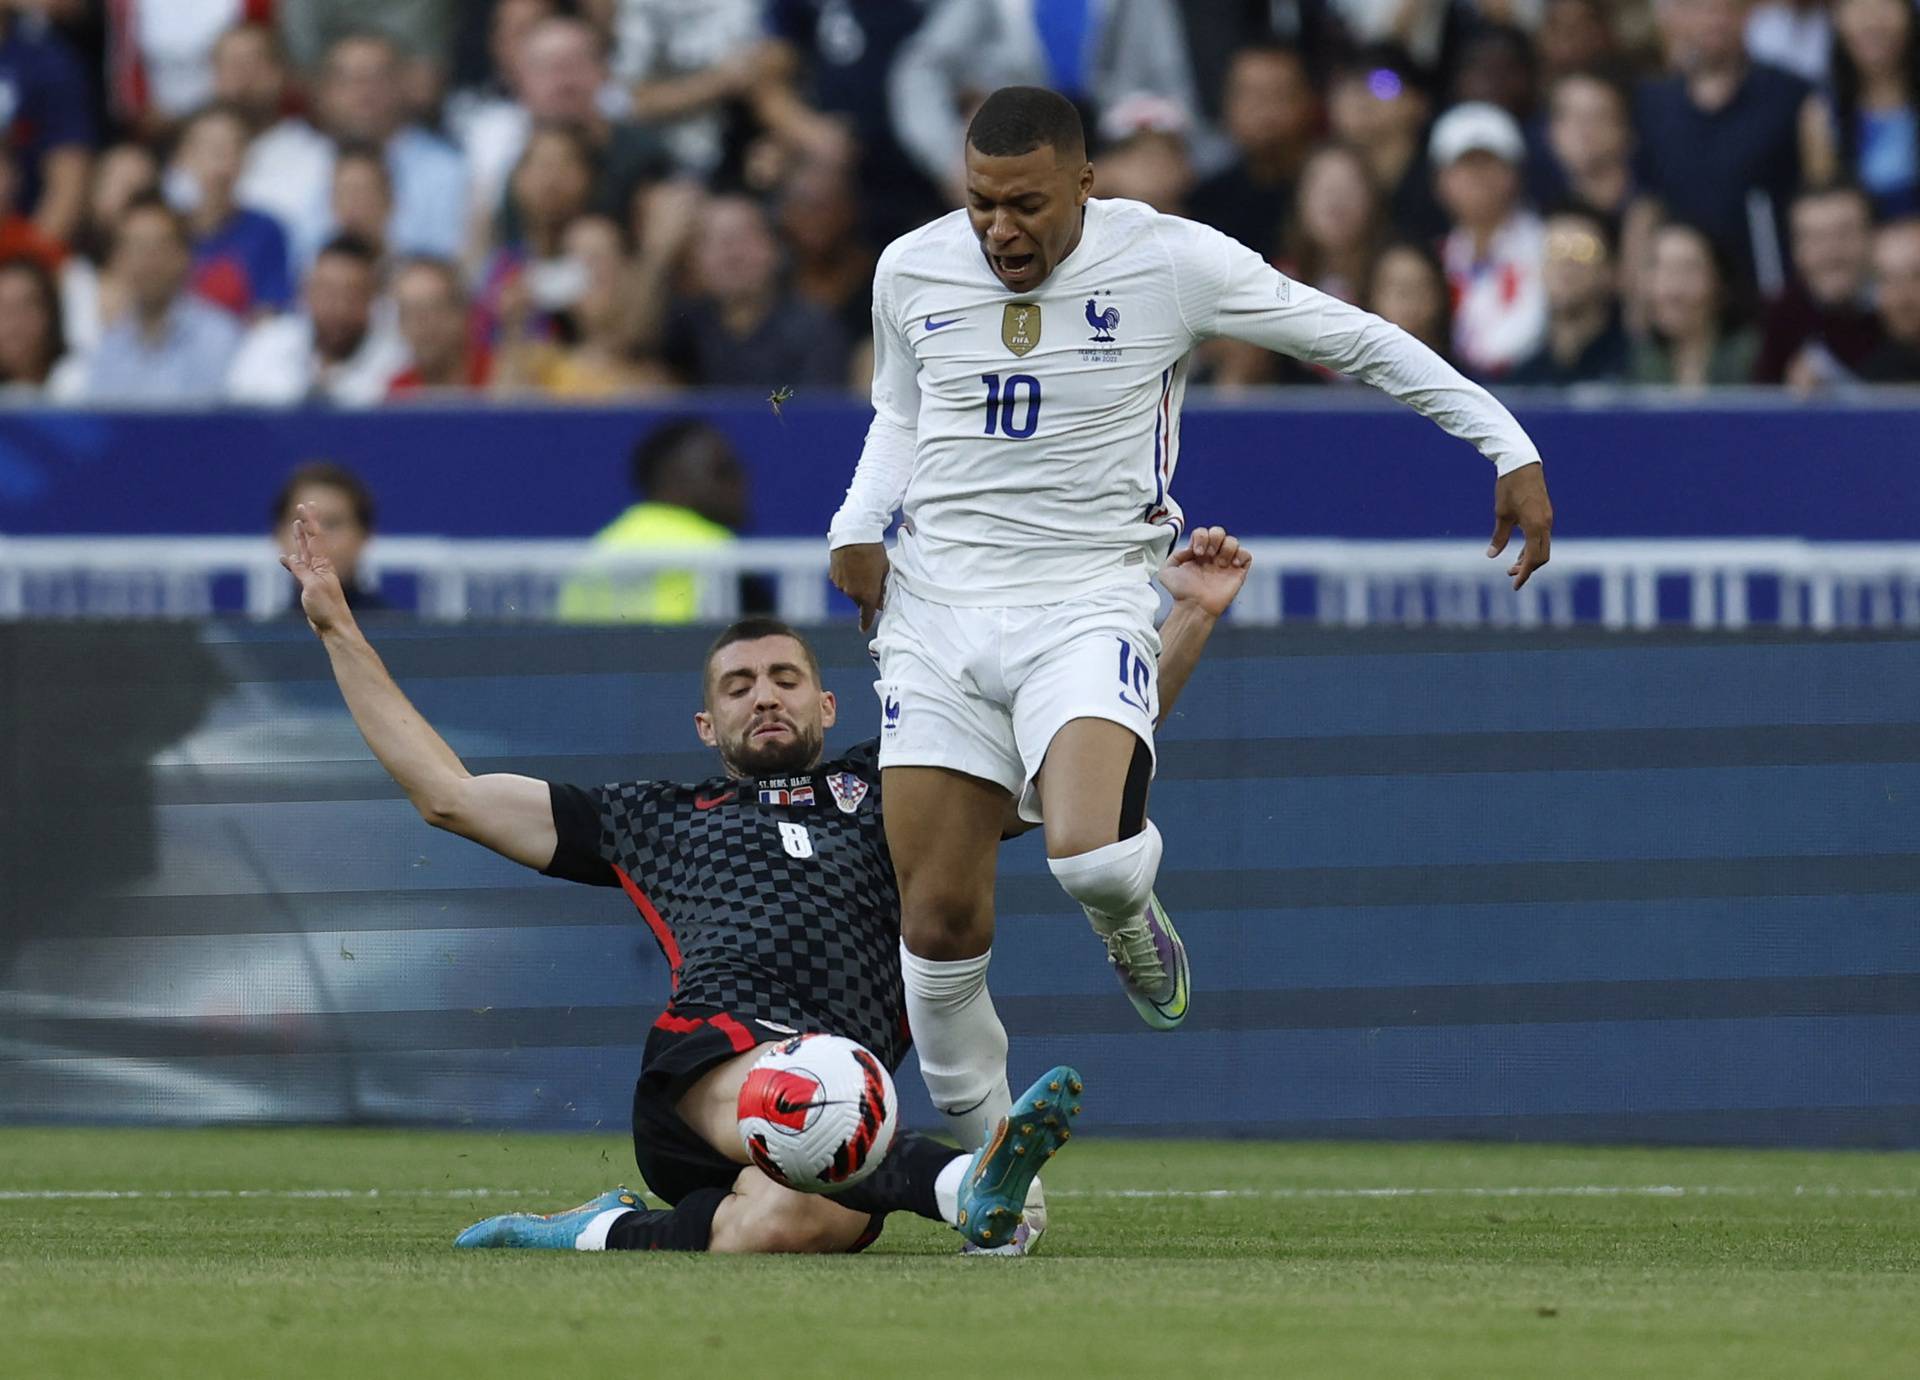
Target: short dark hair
752,630
1835,187
151,202
364,151
1019,119
665,444
350,247
326,474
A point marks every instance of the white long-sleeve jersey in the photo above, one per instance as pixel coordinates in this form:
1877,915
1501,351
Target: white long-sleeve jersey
1033,439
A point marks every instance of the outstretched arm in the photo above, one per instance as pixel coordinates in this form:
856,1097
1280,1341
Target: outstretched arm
512,815
1226,289
1204,580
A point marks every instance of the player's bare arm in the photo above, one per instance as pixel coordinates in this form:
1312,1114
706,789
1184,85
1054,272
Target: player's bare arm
512,815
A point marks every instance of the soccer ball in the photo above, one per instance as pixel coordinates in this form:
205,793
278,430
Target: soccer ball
818,1113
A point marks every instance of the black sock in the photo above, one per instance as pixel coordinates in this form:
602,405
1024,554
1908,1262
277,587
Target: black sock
904,1181
687,1226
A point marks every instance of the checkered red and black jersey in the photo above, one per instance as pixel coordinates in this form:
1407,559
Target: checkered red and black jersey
772,899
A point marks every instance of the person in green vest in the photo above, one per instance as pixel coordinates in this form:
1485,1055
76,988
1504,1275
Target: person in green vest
693,492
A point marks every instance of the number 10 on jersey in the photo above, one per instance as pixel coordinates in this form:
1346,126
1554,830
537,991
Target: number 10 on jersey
1005,414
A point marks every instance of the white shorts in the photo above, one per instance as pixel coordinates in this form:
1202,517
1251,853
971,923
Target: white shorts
982,690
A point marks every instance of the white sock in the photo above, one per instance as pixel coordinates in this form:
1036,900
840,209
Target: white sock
594,1238
1113,883
946,1188
960,1041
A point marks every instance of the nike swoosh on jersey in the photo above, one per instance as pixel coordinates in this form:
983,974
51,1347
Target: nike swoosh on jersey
933,325
702,802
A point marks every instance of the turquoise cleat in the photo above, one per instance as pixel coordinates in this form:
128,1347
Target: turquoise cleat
557,1231
993,1195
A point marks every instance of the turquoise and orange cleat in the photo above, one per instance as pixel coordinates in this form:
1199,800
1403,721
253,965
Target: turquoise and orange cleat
556,1231
993,1195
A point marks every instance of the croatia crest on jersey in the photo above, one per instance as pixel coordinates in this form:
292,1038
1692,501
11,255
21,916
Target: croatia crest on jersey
848,791
1020,326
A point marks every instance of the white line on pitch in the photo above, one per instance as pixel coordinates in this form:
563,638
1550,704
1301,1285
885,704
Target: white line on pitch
1529,1191
1461,1191
53,1194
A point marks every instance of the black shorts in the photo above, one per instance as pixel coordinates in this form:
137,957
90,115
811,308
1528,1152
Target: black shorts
681,1047
674,1159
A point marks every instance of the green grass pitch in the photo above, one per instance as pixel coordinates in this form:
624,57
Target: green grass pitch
270,1253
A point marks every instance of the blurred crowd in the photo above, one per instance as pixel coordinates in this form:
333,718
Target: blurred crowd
355,201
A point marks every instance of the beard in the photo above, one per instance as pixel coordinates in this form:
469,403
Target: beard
778,757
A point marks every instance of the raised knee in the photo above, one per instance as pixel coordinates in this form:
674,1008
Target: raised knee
1114,878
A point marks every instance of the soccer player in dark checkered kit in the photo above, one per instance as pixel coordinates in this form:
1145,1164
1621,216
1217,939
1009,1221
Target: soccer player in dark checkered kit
771,893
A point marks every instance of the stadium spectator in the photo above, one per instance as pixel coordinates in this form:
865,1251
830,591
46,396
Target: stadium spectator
1337,225
1718,138
45,121
89,296
742,328
1575,36
340,349
551,187
690,65
1216,34
1144,156
420,30
239,256
434,312
562,74
825,87
1496,65
360,101
1378,103
1494,254
1823,327
160,55
1417,26
1866,125
1270,114
693,496
1094,54
1586,339
1692,340
1590,146
1896,270
168,345
342,507
832,261
583,348
287,157
32,342
361,200
19,235
1409,289
1794,34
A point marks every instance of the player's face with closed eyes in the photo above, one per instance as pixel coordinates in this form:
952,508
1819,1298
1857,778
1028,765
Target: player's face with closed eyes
766,712
1026,210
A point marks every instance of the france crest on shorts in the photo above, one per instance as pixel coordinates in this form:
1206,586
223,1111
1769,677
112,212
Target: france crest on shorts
848,791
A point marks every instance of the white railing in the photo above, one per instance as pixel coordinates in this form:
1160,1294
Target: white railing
1617,584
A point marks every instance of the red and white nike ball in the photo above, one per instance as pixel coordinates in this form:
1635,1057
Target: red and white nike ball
818,1113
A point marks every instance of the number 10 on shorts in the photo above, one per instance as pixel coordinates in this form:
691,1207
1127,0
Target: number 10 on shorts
1136,677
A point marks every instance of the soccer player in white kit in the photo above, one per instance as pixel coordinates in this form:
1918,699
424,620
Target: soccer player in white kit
1031,355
